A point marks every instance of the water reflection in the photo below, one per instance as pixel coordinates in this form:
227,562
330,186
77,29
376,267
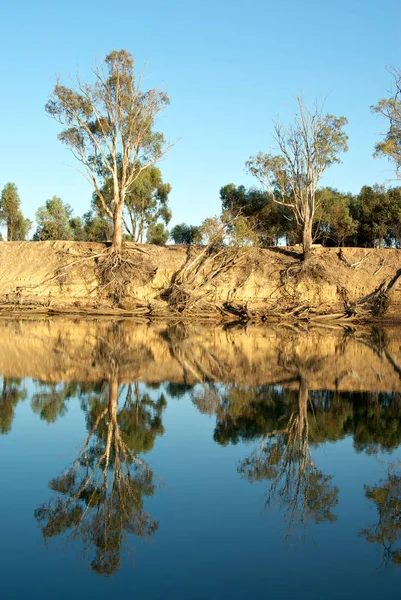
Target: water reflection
284,457
283,391
386,532
100,499
13,391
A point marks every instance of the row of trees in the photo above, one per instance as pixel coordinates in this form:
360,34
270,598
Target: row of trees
108,124
145,214
370,219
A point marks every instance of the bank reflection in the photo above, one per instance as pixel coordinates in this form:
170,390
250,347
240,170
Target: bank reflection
286,420
284,392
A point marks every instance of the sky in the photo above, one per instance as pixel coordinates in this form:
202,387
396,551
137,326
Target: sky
230,67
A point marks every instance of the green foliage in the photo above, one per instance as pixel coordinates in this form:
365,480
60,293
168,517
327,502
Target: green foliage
370,219
333,219
386,497
108,125
184,234
97,228
377,212
157,234
145,204
10,214
77,229
390,109
12,392
307,148
241,233
269,220
211,230
54,221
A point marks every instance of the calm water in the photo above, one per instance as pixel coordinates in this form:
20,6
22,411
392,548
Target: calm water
156,461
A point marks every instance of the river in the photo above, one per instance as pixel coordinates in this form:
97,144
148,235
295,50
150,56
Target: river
189,461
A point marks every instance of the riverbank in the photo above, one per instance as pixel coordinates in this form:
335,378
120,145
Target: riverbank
246,284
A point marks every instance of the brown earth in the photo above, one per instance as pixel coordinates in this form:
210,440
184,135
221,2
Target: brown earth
263,284
341,358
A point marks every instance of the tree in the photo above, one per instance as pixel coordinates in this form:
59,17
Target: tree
78,230
306,149
10,213
394,195
269,220
184,234
390,109
374,211
109,128
97,229
54,221
334,220
145,204
157,234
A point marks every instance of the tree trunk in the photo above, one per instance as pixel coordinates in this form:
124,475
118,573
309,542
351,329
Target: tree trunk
113,397
307,239
118,228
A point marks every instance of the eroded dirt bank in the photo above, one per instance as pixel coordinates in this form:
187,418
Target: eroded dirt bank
341,358
252,284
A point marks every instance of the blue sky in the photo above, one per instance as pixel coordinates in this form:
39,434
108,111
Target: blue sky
230,68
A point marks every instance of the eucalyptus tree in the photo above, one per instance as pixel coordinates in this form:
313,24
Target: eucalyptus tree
145,204
109,127
307,148
11,215
53,221
268,219
182,233
390,109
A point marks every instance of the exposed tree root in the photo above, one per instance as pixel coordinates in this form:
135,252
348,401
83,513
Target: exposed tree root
194,284
114,270
374,304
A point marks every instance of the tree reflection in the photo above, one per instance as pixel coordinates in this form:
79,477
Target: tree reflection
100,498
50,401
386,496
376,422
12,391
284,457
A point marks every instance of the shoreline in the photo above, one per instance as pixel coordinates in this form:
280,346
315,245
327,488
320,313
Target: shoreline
254,285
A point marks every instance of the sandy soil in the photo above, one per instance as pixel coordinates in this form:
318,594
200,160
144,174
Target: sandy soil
55,277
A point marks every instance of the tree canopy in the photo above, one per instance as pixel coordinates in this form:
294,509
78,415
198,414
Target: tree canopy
310,145
11,215
54,221
145,204
108,125
390,109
